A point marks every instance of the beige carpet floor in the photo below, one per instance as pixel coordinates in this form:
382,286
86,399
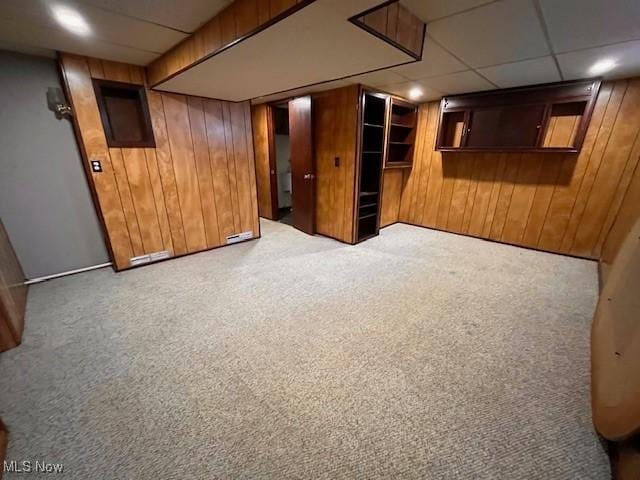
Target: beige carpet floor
417,354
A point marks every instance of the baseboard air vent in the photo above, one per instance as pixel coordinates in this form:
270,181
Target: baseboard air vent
148,258
239,237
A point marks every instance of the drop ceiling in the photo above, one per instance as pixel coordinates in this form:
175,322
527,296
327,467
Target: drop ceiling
470,45
132,31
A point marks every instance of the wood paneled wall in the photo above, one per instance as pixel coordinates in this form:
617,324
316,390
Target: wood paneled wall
263,143
565,203
394,22
190,192
392,182
13,295
239,19
627,217
335,124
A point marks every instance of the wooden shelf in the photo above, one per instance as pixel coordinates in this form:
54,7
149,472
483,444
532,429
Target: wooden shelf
373,134
402,134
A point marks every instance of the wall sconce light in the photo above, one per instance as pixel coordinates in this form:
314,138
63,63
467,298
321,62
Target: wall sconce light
57,103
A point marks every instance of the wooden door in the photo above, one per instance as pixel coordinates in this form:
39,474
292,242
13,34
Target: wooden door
302,165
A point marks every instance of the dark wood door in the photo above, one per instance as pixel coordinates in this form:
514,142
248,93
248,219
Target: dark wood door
302,165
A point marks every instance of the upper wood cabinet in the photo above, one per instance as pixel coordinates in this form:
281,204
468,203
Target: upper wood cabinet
545,118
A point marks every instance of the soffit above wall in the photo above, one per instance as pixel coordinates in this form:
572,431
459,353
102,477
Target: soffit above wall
313,45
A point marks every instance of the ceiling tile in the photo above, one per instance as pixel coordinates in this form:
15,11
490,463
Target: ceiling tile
429,10
186,15
375,79
529,72
435,61
626,55
25,35
105,26
461,82
500,32
402,90
27,49
577,24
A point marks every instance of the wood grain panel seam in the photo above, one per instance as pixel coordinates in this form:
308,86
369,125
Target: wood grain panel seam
584,173
620,181
606,145
126,224
241,214
213,187
515,178
486,213
533,197
197,183
252,172
175,182
424,144
146,163
135,209
546,213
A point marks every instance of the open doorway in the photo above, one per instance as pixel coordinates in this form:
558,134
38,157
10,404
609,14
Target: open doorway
282,152
284,157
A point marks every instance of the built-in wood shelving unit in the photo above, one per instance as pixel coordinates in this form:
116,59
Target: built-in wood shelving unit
402,133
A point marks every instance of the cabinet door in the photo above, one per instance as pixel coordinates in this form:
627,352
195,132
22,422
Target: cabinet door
513,126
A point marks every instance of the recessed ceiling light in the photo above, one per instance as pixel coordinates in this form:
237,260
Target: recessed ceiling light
71,20
603,66
415,93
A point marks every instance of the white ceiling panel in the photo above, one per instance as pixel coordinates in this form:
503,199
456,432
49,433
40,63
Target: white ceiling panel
435,61
500,32
403,89
625,55
461,82
104,25
430,10
26,49
375,79
28,36
578,24
184,15
539,70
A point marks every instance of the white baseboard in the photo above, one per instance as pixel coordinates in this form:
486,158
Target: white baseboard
64,274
